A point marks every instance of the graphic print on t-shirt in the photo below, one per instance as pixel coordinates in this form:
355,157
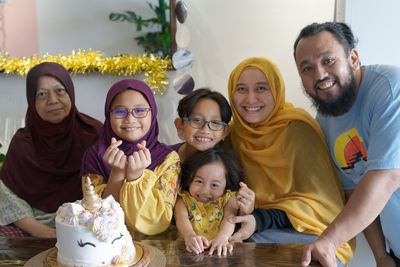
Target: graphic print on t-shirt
350,149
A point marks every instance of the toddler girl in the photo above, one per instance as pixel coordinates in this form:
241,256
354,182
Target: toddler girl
207,199
130,163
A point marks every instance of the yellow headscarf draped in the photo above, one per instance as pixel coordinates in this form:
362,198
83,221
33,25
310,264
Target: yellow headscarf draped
277,164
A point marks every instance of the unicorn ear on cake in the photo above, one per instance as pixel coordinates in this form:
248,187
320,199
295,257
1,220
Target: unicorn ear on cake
90,200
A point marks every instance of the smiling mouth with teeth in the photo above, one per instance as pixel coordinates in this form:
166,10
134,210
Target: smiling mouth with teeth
203,139
253,109
131,128
325,85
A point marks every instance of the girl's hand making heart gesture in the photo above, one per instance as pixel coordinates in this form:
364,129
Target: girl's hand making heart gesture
138,161
115,157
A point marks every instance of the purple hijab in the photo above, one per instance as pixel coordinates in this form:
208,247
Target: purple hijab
93,159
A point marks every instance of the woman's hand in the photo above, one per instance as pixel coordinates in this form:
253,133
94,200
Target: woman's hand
245,199
221,246
248,227
115,157
196,244
138,161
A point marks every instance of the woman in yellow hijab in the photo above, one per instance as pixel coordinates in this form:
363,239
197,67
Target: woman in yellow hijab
285,158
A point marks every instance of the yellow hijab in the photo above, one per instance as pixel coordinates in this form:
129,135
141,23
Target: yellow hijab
272,162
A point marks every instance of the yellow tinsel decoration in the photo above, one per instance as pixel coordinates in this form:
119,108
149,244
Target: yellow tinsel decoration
154,67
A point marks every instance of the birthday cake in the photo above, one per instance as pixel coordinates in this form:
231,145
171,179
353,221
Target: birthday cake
92,232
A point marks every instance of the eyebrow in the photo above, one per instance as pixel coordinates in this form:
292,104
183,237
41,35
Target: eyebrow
258,83
321,55
240,84
55,87
262,83
136,106
213,117
213,181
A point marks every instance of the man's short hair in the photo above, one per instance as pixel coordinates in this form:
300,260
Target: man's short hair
340,31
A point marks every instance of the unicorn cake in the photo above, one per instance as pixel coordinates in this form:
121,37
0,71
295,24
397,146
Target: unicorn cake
92,232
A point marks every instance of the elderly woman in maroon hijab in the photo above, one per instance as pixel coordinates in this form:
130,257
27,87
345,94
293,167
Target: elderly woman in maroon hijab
130,163
42,165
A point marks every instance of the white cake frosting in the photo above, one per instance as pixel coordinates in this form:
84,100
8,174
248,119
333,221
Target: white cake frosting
93,238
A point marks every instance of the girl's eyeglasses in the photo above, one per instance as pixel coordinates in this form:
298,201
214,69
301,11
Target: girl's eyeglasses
120,113
198,123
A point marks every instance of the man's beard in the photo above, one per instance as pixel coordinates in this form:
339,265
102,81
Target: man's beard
343,103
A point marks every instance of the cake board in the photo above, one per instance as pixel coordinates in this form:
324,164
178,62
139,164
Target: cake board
145,256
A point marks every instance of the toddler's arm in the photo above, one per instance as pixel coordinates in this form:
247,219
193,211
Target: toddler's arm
220,243
194,243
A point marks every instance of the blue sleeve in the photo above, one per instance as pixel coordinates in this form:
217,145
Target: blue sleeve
271,219
384,139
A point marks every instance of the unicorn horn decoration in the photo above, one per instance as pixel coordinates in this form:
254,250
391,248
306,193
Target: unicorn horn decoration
90,199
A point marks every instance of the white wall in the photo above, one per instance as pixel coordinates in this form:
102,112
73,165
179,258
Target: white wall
223,33
376,24
65,25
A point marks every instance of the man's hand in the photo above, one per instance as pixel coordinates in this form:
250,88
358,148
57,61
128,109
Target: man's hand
385,261
321,250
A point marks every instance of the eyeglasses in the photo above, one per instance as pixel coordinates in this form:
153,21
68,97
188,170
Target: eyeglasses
200,123
120,113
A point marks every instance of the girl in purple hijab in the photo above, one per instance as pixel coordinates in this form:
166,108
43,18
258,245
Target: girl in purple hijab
130,163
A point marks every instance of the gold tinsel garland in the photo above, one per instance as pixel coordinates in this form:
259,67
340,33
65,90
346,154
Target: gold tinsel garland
155,68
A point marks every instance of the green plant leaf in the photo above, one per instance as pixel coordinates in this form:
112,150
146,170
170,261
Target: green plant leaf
130,17
2,156
117,17
153,42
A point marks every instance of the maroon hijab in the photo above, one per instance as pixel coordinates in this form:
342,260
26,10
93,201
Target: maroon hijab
43,161
93,159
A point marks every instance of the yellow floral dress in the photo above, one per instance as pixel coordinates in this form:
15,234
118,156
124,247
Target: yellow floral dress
206,217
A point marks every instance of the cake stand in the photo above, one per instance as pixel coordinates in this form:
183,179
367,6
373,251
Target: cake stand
145,255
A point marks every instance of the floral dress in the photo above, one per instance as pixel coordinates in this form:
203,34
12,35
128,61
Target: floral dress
206,217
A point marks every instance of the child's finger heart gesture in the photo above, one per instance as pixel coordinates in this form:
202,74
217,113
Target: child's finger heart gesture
114,157
138,161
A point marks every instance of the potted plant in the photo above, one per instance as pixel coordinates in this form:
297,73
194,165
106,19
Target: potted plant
157,42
